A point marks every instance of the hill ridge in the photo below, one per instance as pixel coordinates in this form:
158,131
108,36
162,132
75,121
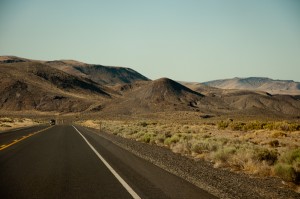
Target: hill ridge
101,74
45,87
259,84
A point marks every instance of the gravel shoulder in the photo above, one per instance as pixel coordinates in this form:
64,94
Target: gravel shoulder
219,182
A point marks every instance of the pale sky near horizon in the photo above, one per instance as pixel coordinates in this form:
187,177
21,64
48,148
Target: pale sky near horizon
187,40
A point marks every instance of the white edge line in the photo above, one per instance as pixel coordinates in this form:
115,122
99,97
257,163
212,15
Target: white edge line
125,185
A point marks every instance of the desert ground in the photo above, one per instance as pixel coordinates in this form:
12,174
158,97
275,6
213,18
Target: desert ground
254,147
8,123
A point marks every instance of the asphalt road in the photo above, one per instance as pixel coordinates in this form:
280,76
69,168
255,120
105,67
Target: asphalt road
8,136
72,162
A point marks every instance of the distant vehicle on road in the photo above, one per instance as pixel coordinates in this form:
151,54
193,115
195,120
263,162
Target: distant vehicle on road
52,122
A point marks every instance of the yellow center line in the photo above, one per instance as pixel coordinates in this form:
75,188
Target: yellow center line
23,138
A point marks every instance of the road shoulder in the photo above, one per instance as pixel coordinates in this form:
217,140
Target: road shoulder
219,182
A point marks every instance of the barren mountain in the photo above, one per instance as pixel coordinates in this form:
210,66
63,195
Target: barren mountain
12,59
259,84
153,96
32,85
128,87
246,102
165,89
201,88
105,75
39,85
262,103
165,95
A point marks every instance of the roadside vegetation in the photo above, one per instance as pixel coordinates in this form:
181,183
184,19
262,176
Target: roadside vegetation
7,123
254,147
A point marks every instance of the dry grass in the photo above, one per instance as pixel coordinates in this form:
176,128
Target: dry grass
7,123
272,149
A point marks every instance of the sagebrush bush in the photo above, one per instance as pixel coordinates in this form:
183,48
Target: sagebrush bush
139,134
223,124
5,125
274,143
224,154
6,119
160,138
172,140
278,134
270,126
286,172
263,154
223,141
294,127
143,124
237,126
181,147
289,166
200,147
282,126
291,156
146,137
255,125
22,120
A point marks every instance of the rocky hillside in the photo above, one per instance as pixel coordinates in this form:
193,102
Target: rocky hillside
35,86
75,87
105,75
153,96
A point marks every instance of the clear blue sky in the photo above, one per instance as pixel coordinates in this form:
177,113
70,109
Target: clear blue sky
188,40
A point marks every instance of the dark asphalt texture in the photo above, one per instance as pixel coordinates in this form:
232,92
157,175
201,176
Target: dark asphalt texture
58,163
9,136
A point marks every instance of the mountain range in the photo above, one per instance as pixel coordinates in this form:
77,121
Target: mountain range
67,86
258,83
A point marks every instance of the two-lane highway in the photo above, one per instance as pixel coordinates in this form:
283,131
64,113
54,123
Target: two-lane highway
9,136
72,162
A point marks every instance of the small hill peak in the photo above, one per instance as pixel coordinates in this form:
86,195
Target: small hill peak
12,59
165,81
172,86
